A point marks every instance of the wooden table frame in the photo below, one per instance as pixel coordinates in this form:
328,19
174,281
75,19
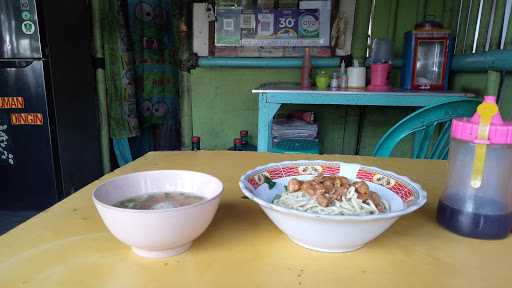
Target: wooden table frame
271,98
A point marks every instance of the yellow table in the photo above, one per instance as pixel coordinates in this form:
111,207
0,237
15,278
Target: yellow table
68,245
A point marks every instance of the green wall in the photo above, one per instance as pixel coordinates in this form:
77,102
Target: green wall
220,102
222,105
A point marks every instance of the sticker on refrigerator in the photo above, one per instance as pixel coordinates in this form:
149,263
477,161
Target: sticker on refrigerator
12,103
26,15
24,5
6,155
26,119
28,27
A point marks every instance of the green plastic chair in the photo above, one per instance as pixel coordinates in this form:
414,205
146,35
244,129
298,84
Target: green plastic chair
425,123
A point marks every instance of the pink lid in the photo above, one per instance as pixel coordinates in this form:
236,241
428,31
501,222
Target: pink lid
466,129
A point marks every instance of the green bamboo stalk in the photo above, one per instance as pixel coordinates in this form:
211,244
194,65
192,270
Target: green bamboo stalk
185,110
493,83
360,33
100,87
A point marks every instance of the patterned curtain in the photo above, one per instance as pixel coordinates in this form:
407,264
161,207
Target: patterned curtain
141,72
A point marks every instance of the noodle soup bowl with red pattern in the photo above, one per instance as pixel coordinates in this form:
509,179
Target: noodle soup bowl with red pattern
331,233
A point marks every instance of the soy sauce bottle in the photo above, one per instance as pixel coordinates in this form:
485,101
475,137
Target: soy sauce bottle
477,201
196,143
244,139
237,144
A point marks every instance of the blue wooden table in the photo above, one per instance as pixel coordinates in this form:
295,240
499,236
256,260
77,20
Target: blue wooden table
271,97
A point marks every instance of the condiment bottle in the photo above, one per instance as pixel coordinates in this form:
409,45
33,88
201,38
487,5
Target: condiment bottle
342,76
196,143
244,139
477,201
305,76
356,76
237,144
334,81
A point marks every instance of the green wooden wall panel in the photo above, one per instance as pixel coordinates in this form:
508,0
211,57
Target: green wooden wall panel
484,25
222,102
505,99
421,6
381,19
470,36
498,22
377,121
450,13
508,39
469,82
434,10
406,22
462,28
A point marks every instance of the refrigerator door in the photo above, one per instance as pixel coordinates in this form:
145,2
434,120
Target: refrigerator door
19,31
28,179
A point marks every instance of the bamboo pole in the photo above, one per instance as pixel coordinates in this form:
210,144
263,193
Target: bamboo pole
493,83
360,33
100,88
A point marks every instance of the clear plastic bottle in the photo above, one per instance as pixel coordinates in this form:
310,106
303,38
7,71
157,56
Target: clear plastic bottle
471,208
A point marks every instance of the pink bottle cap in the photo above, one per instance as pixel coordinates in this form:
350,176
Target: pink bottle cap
466,129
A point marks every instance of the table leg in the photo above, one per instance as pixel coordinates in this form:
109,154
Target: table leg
265,114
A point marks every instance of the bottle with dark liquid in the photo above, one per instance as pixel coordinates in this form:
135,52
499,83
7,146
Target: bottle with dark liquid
237,144
244,139
477,202
244,143
196,143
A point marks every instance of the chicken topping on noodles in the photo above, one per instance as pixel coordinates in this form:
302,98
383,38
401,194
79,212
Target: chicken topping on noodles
333,195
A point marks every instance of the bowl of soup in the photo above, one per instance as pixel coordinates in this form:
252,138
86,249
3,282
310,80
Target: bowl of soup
158,213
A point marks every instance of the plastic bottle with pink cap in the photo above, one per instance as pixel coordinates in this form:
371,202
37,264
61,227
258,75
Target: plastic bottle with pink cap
477,201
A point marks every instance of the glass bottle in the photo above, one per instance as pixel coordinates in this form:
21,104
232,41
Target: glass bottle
196,143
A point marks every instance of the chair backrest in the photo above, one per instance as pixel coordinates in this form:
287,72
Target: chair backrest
425,123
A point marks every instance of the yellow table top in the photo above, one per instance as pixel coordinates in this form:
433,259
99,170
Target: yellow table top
68,245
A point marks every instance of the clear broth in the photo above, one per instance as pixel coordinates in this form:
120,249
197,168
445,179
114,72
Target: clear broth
160,200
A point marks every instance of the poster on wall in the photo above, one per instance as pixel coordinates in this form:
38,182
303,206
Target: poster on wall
275,28
286,25
227,27
248,24
287,28
265,24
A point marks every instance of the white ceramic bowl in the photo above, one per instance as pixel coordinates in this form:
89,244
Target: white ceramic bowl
335,233
163,232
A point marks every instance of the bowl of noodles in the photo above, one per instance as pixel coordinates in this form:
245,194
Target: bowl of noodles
331,206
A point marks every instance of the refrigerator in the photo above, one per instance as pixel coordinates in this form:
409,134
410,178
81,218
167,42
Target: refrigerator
49,135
